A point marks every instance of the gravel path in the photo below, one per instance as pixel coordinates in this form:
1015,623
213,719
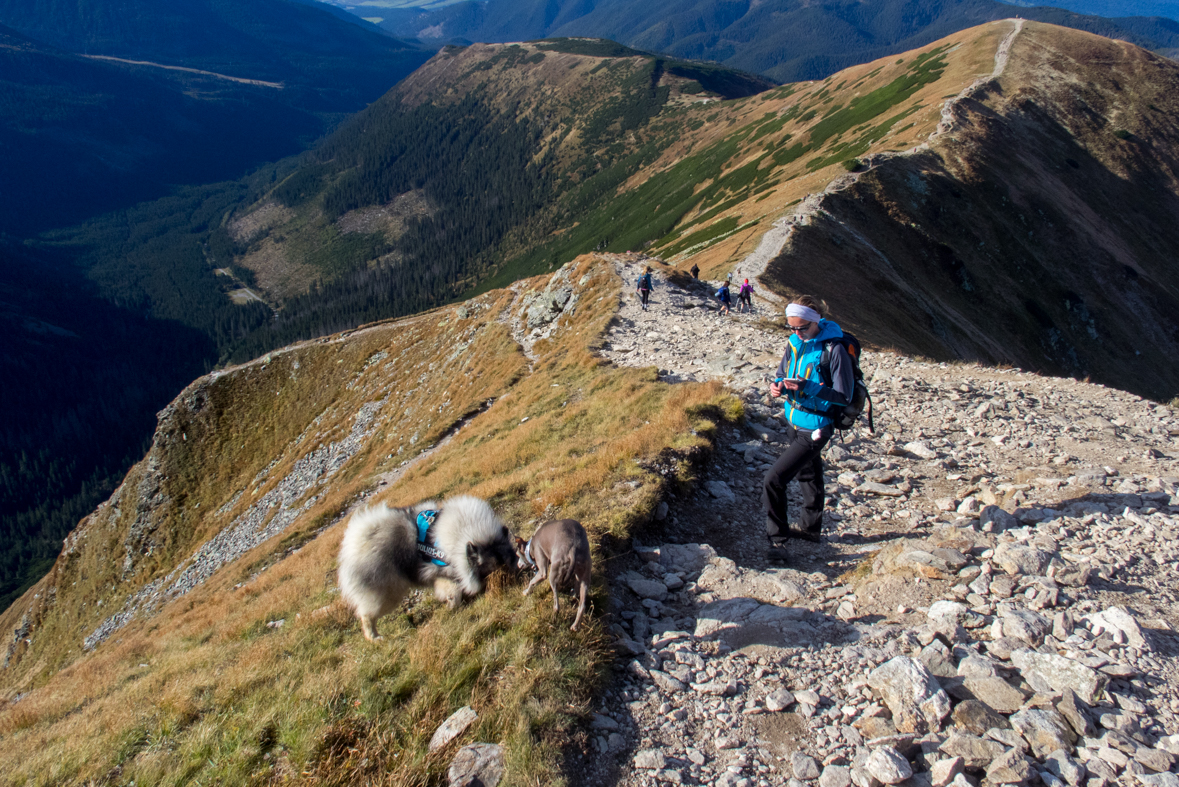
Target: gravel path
995,598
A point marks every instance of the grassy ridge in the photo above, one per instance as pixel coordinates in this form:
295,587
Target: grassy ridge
206,691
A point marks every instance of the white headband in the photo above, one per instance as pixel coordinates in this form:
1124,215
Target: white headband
805,312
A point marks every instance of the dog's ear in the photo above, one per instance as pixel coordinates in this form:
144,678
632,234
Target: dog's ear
507,534
473,556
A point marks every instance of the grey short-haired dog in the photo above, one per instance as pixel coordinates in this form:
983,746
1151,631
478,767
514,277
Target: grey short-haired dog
560,550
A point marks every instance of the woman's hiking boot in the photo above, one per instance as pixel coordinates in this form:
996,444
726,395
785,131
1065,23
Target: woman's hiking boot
813,536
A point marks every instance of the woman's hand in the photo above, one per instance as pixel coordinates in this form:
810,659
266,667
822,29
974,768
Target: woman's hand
778,386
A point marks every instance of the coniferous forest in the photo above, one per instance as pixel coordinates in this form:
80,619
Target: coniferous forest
82,381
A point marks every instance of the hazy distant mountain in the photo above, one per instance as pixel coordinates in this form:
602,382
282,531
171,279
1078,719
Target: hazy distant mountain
788,40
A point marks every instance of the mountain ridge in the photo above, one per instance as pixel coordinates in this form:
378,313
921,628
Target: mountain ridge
191,628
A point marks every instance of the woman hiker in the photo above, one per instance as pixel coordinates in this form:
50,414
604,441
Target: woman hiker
745,297
809,398
645,286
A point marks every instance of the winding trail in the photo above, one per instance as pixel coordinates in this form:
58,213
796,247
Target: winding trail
214,74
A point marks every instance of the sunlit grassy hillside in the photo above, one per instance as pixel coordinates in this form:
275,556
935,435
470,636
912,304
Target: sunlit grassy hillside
197,685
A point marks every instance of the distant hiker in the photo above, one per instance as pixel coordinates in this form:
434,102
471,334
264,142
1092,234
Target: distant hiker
724,298
809,422
645,287
695,271
745,296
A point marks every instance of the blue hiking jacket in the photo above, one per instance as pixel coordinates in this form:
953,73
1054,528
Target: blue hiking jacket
801,360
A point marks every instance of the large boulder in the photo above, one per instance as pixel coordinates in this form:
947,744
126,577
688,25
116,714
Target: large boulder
721,491
977,717
686,557
1045,730
477,765
1015,558
996,693
1073,709
975,752
1119,619
1025,626
918,703
993,519
888,766
1045,672
1011,767
647,588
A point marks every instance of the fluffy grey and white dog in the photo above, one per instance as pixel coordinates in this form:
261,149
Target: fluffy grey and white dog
386,551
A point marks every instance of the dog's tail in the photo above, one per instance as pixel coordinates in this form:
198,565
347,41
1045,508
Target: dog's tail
563,572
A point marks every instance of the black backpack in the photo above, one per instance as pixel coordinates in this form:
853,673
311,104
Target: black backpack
845,417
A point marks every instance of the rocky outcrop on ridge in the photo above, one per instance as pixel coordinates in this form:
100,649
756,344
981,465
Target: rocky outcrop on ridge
994,601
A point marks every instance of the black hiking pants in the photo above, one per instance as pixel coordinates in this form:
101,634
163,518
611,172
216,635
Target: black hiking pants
643,295
802,459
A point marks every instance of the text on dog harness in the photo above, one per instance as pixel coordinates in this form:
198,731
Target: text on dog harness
425,540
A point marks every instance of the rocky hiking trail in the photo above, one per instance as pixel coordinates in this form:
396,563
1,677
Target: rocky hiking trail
994,601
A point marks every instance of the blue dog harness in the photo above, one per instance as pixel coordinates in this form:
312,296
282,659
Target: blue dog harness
426,546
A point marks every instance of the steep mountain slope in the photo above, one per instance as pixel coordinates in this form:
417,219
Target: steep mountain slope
1037,231
82,136
174,259
232,520
83,380
788,40
454,175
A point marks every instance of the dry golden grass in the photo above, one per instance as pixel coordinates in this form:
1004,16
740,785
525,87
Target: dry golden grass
205,691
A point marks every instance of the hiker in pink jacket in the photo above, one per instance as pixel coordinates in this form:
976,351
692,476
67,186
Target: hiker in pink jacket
745,297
